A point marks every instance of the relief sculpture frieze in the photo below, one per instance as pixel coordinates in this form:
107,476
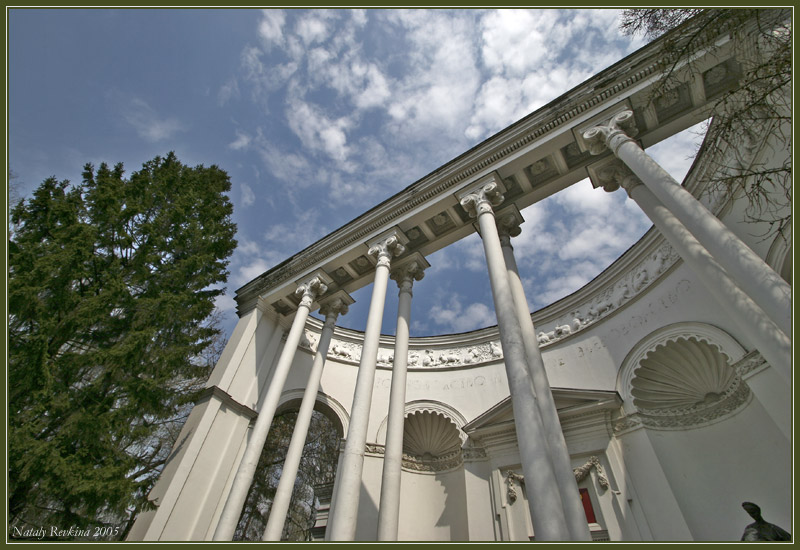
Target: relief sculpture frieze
601,304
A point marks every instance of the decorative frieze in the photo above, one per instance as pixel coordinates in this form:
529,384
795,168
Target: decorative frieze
735,397
601,304
750,363
350,352
415,463
627,424
614,296
474,454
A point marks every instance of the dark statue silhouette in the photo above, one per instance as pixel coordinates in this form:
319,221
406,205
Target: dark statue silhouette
761,530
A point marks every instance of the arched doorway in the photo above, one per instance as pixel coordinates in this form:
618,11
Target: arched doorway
316,472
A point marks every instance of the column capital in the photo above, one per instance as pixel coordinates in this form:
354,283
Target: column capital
385,250
387,245
410,270
310,290
482,199
612,175
508,224
335,305
612,134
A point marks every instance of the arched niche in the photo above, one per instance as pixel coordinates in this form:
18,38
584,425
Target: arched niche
432,436
682,376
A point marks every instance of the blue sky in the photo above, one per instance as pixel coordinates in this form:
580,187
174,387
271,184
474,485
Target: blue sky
318,115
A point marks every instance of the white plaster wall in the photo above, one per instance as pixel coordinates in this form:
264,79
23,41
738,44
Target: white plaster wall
367,524
713,469
433,507
478,501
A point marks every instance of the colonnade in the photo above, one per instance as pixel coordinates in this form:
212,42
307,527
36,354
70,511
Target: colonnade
749,291
755,296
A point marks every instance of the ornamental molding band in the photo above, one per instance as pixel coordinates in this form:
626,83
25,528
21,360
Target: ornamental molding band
582,471
418,464
750,364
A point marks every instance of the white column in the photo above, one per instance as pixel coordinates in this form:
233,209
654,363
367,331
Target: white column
389,510
266,411
283,494
764,286
547,512
763,333
348,484
508,226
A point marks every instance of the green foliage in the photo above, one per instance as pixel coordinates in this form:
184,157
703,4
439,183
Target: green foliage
110,290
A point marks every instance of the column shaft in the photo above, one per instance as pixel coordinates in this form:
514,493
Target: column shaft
547,511
764,334
266,412
348,486
283,494
764,286
389,511
559,454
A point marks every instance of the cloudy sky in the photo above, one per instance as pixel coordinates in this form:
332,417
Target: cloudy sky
318,115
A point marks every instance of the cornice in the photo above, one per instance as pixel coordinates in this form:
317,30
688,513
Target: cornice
226,399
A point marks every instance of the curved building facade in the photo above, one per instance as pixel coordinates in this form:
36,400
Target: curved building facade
644,407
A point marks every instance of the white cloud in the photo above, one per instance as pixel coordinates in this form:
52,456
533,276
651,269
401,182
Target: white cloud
676,153
317,131
270,28
359,17
288,167
241,142
250,271
248,197
312,29
437,91
228,91
455,317
147,123
515,42
224,303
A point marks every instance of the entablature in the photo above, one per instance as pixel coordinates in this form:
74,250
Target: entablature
534,158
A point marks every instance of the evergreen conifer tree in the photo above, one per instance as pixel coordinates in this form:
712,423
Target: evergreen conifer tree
111,284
